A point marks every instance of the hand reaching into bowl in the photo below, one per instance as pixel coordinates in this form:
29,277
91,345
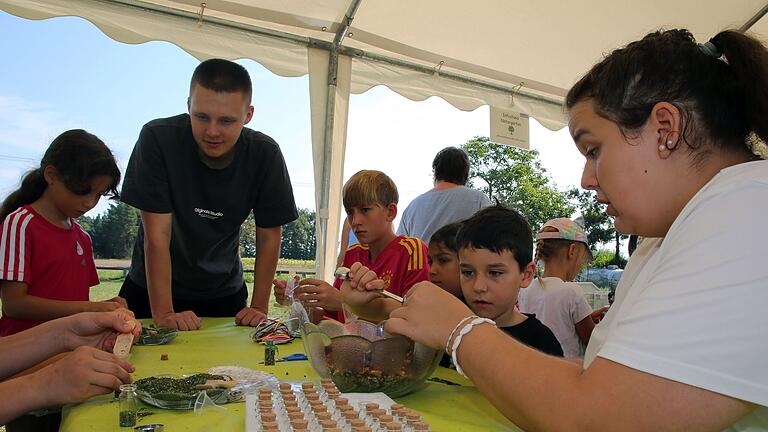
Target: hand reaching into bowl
362,292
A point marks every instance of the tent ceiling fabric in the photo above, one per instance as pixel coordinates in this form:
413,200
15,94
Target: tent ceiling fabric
544,45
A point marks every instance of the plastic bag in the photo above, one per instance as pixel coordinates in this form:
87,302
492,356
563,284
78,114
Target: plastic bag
204,403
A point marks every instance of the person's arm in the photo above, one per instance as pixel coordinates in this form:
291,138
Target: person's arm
76,377
17,303
267,253
375,309
32,346
537,382
584,329
581,315
157,262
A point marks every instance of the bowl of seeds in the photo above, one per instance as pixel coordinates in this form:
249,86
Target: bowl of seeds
361,358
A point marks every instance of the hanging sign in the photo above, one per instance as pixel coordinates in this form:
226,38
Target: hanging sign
510,128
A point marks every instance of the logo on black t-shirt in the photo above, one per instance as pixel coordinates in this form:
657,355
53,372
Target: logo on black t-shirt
208,214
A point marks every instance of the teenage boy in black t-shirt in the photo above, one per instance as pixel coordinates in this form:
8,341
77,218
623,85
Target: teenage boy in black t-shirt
196,177
496,261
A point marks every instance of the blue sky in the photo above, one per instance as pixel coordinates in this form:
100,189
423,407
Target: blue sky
63,73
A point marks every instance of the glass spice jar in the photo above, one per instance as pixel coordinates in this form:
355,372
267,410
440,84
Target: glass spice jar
128,405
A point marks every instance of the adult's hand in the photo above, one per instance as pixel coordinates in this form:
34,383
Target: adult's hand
318,293
183,321
428,315
249,316
80,375
278,286
97,329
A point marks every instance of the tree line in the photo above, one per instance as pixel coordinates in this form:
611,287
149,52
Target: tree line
508,175
114,232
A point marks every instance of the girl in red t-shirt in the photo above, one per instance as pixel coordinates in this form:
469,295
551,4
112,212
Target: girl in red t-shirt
46,260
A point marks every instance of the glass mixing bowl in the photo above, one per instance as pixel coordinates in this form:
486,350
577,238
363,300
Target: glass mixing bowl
361,358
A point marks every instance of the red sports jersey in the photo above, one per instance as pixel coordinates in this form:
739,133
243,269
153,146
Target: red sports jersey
55,263
401,265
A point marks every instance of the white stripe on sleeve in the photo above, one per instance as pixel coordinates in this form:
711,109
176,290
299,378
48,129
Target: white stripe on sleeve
4,239
12,245
22,243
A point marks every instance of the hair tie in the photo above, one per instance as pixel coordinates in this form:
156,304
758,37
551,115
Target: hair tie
709,48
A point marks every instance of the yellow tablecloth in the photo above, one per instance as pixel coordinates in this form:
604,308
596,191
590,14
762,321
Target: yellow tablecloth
221,343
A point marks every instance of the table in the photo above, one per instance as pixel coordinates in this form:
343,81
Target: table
220,343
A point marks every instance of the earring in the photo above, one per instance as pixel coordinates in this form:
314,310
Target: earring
662,147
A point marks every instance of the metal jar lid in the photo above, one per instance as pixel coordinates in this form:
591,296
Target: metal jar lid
155,427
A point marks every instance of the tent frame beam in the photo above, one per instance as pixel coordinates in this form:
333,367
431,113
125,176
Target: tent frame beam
513,90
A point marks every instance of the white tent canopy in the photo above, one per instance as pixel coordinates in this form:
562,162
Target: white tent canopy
508,54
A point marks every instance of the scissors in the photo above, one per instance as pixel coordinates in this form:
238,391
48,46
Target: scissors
292,357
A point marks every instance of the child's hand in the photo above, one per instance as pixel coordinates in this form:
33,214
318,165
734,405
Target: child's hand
428,315
364,279
80,375
120,301
103,306
362,286
318,293
97,329
278,286
598,314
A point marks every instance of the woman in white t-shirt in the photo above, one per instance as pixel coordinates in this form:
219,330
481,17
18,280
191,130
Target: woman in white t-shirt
561,245
671,131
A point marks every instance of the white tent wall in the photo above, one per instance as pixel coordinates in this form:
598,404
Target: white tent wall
508,54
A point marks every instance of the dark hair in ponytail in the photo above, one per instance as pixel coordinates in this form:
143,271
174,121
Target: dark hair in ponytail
78,157
722,100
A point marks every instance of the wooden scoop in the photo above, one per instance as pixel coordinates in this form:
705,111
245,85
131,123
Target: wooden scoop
123,343
212,384
343,273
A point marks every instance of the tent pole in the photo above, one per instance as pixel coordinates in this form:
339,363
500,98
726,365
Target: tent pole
333,70
752,21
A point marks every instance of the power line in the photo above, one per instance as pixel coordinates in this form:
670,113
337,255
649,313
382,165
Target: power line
16,158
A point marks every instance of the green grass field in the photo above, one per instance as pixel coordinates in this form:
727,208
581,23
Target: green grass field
112,280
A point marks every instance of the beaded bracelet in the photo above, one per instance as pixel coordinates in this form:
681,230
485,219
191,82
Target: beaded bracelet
467,328
450,336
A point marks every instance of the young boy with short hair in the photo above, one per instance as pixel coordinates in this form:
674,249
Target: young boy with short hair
370,200
496,261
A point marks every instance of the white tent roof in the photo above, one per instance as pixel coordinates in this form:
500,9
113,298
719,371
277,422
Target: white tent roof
545,46
517,55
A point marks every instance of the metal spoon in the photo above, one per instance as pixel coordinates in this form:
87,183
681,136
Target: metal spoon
343,273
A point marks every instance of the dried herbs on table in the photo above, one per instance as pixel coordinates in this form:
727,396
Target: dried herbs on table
169,388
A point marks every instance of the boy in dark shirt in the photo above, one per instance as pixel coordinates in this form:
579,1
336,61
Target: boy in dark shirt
496,261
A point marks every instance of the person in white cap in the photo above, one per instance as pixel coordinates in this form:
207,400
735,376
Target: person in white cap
562,246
